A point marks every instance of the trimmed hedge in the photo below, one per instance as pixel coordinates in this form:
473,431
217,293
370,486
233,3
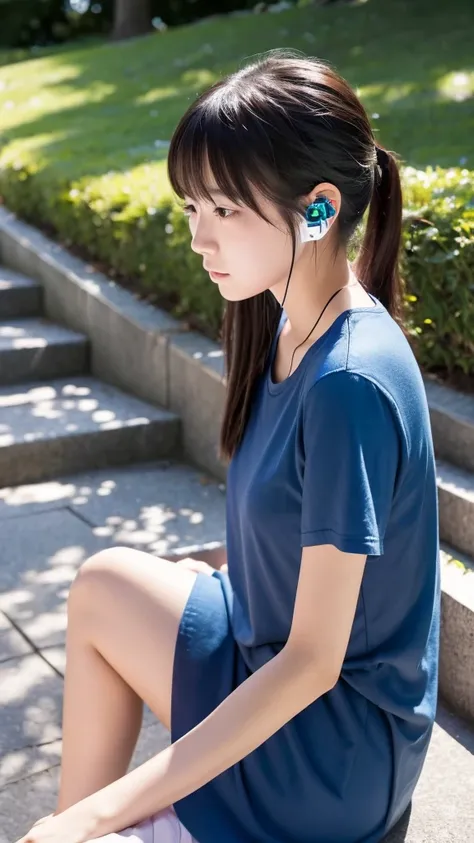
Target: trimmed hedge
117,220
438,263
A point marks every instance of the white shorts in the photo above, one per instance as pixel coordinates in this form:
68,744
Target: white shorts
163,827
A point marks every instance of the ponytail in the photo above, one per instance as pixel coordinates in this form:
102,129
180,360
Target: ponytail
377,264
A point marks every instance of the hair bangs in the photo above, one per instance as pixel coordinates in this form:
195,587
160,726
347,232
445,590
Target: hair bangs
210,151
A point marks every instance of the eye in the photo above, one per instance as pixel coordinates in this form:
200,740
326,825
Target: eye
224,213
188,210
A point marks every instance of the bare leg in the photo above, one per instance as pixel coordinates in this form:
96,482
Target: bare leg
124,610
102,717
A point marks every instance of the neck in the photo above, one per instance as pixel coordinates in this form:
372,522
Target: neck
309,290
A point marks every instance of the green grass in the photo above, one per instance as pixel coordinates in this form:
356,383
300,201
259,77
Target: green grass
83,112
84,135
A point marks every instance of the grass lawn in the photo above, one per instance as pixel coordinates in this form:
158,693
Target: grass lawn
82,112
84,133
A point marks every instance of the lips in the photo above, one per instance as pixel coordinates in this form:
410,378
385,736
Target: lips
217,276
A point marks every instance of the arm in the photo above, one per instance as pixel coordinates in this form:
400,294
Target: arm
307,667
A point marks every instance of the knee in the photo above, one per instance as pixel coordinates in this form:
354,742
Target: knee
93,575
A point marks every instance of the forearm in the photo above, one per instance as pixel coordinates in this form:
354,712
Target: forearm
241,723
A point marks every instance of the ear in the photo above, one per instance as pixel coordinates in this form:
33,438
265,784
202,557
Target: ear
326,189
319,212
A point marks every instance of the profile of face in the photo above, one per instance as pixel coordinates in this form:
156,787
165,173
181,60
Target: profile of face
244,254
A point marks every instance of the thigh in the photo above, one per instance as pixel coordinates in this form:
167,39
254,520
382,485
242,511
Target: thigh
128,604
163,827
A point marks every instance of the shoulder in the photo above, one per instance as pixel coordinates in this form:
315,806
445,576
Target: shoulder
344,389
352,406
370,364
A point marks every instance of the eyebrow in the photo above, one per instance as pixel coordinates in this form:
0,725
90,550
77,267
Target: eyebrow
214,191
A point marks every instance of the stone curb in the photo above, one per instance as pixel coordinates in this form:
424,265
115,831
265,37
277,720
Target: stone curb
135,346
456,677
452,422
146,352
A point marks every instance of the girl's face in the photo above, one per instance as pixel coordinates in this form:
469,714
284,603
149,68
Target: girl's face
247,254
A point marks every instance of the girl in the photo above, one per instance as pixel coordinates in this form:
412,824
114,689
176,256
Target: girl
300,683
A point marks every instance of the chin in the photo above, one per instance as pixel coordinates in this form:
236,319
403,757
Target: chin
231,292
235,298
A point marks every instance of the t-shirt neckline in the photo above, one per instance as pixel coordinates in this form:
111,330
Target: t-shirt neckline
276,387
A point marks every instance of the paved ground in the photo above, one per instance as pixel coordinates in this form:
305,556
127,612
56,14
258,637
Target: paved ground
47,531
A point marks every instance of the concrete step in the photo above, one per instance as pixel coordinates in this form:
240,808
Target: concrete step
441,811
35,349
19,295
74,424
452,423
456,674
48,529
456,506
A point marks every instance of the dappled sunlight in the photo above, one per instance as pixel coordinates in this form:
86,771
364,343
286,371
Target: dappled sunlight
156,94
39,493
71,408
18,687
155,526
18,764
15,337
152,506
40,625
31,696
40,559
144,182
218,354
155,507
152,529
31,148
387,93
49,102
457,86
199,77
95,92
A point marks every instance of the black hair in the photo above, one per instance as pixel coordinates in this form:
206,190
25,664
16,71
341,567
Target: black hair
284,124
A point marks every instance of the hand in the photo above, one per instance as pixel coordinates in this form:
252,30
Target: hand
196,565
47,817
57,829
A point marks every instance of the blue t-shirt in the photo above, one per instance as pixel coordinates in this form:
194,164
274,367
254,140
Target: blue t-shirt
341,453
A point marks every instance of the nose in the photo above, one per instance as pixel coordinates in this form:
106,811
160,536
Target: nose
203,241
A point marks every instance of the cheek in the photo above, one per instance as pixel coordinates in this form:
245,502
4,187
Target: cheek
261,256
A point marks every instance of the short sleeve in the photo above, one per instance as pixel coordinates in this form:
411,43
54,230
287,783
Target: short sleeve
351,455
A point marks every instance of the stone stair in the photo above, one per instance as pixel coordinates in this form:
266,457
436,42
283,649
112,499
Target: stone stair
452,421
84,466
54,417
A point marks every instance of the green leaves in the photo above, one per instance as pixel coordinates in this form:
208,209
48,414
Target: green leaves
438,263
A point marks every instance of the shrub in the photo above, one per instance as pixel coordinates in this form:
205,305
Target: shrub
118,220
438,262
